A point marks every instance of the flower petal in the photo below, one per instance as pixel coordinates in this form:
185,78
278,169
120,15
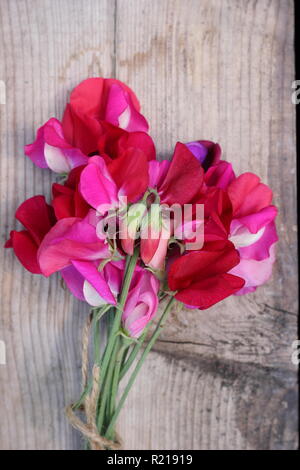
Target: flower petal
97,186
130,172
36,216
51,150
207,292
25,249
248,195
254,272
96,279
69,239
184,178
74,281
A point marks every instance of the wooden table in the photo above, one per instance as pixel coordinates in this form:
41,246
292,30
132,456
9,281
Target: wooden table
216,69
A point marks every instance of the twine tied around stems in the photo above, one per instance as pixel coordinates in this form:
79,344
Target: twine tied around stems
89,427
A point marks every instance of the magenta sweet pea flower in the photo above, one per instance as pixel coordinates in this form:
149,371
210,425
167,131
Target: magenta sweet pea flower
51,150
141,304
70,240
91,282
104,186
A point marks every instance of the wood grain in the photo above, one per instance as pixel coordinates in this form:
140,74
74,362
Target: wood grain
216,69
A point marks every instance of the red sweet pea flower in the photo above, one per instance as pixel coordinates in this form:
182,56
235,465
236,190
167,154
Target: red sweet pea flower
95,104
67,200
114,141
95,100
201,278
38,218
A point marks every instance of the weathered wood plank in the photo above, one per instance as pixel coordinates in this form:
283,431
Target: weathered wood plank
47,47
221,70
203,403
214,69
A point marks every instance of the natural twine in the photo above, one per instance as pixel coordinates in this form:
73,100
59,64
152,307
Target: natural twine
89,428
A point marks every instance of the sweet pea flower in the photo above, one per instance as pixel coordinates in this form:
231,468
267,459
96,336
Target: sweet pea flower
95,284
52,150
177,182
252,229
203,278
141,304
68,240
103,187
114,141
73,248
97,107
38,218
96,100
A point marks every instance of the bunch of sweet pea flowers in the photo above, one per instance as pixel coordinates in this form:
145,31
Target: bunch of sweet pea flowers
128,232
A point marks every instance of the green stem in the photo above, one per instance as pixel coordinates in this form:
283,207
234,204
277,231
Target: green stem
131,263
153,338
115,382
97,315
106,389
134,353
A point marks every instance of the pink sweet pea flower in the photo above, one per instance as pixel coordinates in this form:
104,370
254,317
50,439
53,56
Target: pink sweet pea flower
141,304
252,229
51,149
255,272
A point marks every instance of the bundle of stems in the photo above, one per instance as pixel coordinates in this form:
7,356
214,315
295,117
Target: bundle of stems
120,355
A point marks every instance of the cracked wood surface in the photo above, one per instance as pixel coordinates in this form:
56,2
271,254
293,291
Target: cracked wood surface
215,69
